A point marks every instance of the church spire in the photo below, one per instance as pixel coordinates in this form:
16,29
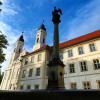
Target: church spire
40,37
21,38
42,26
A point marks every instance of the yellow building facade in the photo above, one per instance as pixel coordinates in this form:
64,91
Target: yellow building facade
80,55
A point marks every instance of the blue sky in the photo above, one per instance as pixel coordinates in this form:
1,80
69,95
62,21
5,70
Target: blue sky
79,17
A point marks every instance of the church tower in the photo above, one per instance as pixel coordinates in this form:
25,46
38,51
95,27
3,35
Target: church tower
18,49
40,37
10,79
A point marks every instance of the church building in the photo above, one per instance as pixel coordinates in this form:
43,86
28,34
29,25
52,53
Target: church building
29,70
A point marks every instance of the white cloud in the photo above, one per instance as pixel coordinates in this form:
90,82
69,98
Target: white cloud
11,37
9,8
9,32
87,20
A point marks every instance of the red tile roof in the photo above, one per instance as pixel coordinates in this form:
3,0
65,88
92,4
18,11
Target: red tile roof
81,39
72,42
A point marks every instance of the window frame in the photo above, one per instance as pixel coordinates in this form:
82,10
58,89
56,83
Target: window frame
61,56
38,71
32,59
26,61
98,84
70,53
96,63
28,87
86,84
73,85
23,74
21,87
83,66
92,47
30,72
36,85
80,50
71,68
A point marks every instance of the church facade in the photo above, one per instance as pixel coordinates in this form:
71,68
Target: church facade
81,57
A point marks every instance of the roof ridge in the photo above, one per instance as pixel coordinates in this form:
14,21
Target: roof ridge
81,36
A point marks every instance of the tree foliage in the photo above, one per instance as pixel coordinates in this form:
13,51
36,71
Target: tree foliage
0,5
3,45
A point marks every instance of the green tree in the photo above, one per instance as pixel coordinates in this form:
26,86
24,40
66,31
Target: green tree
3,45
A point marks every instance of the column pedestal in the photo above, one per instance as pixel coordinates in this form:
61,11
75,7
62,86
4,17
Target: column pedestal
56,74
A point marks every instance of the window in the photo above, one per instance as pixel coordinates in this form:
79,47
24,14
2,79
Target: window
61,56
39,57
83,66
71,68
10,86
36,87
37,71
73,85
70,53
23,73
43,40
92,47
26,61
86,85
37,40
96,63
14,88
32,59
28,87
98,84
80,50
19,50
30,73
21,87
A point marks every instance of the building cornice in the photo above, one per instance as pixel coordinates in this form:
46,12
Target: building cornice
69,43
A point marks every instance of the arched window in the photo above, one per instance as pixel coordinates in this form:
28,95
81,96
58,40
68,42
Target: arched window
37,40
19,50
43,40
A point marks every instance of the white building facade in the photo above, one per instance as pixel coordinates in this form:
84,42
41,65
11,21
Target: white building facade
80,55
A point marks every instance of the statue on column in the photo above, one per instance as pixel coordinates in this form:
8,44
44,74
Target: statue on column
55,65
56,15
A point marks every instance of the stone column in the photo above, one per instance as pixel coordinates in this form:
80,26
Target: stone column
56,66
56,41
